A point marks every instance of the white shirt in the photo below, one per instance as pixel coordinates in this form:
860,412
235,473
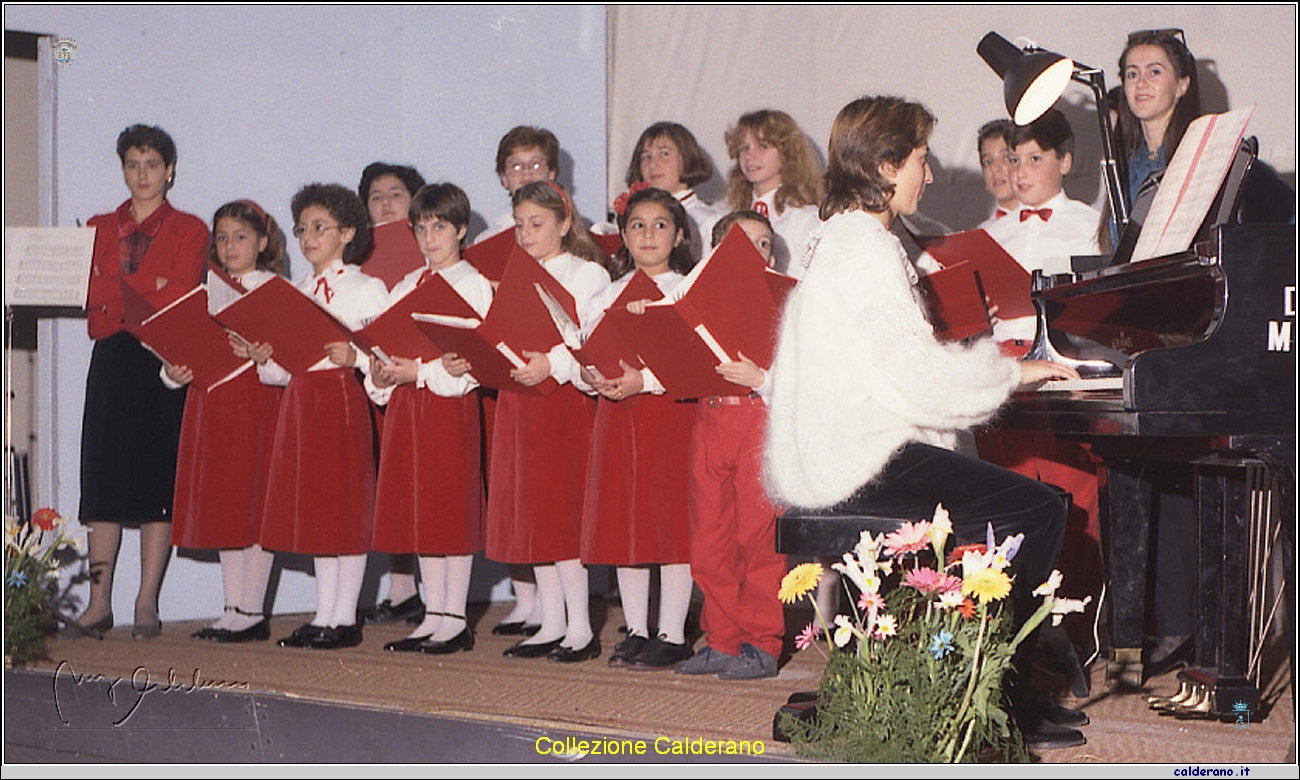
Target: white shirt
1045,245
794,230
504,222
702,215
585,281
477,292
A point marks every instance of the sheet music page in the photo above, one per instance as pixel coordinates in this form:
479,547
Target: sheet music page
1191,182
47,266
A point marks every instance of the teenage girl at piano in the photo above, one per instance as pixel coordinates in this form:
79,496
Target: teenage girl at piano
777,175
429,498
226,436
539,448
866,401
387,189
320,500
635,517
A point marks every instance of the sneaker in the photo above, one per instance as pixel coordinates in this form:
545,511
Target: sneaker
752,664
707,661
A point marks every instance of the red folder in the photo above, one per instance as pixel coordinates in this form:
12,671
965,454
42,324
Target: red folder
728,305
279,314
518,321
611,341
491,255
1004,281
395,334
608,243
955,300
394,253
184,334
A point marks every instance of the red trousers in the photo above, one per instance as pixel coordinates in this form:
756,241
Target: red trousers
733,528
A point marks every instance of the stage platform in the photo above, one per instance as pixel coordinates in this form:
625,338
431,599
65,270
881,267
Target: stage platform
174,699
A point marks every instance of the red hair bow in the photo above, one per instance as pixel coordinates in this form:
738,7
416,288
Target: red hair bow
620,203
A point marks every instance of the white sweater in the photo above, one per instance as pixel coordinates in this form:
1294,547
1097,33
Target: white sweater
858,372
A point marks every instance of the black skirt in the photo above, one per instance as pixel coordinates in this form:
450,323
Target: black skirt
129,436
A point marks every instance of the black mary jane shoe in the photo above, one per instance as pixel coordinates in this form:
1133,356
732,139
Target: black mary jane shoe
626,650
337,638
464,641
209,633
258,632
516,628
302,636
387,612
411,644
565,655
538,650
659,653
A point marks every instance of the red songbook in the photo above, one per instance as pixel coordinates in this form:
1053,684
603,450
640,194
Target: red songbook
729,305
611,341
517,322
279,314
491,255
395,334
608,243
184,334
394,252
955,300
1004,281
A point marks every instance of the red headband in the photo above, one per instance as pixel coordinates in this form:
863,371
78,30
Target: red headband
266,226
564,199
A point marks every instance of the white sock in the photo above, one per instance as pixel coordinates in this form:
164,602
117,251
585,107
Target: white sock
232,581
634,592
459,568
550,599
525,603
573,578
675,586
433,573
257,573
327,580
352,574
401,586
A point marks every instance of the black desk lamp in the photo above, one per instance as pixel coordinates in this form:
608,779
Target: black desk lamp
1033,79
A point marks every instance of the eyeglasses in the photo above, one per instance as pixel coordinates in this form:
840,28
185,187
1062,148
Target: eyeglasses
315,228
533,166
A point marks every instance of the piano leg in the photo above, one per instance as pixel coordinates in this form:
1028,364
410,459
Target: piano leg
1129,499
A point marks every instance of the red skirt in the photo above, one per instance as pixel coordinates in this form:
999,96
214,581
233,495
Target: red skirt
537,476
221,470
429,499
321,496
637,477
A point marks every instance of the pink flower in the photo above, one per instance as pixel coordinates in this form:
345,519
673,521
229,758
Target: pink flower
910,538
928,580
807,637
872,601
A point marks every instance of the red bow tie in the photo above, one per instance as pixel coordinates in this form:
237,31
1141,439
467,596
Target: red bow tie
999,214
761,208
323,289
1044,214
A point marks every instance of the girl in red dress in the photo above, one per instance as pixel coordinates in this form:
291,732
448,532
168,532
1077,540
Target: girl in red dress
226,437
539,442
429,500
320,499
636,514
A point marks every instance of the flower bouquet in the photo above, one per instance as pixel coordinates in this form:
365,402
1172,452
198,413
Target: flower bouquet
915,674
35,552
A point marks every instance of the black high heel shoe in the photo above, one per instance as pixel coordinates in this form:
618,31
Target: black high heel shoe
147,630
96,630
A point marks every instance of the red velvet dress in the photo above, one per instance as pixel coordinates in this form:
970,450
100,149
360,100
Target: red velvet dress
636,508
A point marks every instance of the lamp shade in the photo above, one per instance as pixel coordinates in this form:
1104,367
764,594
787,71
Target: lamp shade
1031,81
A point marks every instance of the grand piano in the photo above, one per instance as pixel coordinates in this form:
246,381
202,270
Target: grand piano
1185,359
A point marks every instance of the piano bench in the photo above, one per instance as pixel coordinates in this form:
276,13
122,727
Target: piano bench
825,532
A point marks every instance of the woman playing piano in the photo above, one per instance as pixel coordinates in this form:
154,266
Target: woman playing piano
866,402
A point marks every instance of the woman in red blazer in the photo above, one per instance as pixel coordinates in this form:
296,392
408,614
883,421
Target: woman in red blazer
132,421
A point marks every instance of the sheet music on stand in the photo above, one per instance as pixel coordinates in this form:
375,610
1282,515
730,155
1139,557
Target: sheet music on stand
1191,182
48,266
